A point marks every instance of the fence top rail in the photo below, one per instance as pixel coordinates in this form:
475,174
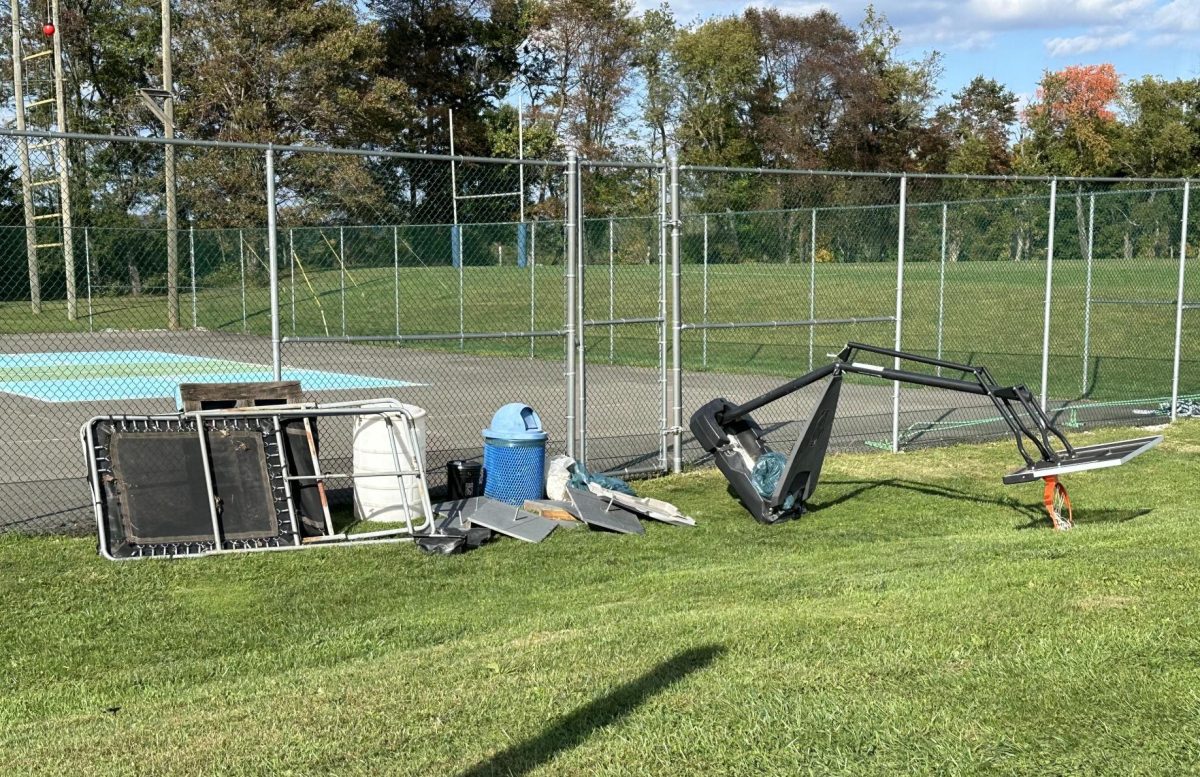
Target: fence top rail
601,163
958,176
226,144
938,203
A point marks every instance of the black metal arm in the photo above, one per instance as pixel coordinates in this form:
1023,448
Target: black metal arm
1002,397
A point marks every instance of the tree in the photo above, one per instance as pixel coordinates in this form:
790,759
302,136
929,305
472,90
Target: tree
658,98
1161,135
290,72
1070,126
977,126
576,67
717,67
450,54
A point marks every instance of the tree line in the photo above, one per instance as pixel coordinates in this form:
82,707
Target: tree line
765,88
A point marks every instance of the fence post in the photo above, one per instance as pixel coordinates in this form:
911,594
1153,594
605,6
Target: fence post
395,264
899,311
676,318
242,271
704,301
532,265
1183,230
580,317
572,182
1049,282
342,273
941,290
812,287
611,291
292,274
87,261
662,314
273,267
1087,293
192,261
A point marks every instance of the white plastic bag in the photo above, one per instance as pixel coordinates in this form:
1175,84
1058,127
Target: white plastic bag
557,477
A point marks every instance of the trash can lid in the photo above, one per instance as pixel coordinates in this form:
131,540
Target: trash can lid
516,421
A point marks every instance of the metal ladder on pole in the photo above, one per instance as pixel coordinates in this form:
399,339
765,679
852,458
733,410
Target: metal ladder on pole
39,106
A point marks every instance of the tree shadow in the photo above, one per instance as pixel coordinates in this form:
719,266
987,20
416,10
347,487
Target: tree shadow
571,730
1089,516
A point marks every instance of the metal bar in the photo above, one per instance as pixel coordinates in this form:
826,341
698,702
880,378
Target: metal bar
521,167
808,322
606,163
48,245
487,196
242,268
396,273
899,310
282,149
1087,293
1049,281
611,290
38,55
47,216
192,261
532,282
202,433
292,274
581,329
662,312
911,357
812,285
425,337
704,300
734,413
677,319
942,176
1136,302
571,183
87,263
610,322
36,103
273,269
941,290
1183,232
342,272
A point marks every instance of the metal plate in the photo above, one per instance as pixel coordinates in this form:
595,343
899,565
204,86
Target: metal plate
1089,457
601,514
498,516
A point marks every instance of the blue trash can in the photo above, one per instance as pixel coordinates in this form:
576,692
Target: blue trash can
514,455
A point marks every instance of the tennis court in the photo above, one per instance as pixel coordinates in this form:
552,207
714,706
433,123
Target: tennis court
104,376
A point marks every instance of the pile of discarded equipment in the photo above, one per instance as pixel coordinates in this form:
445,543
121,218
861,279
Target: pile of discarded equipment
235,477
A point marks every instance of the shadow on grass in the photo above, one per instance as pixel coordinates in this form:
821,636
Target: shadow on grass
571,730
1032,512
1042,521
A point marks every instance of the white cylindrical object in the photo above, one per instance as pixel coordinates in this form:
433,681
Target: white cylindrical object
383,443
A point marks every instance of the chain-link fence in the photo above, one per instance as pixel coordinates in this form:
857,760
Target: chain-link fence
614,298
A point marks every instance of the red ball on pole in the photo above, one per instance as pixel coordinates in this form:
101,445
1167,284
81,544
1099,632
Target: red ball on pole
48,29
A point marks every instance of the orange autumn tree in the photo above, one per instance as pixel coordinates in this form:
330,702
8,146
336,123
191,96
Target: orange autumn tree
1070,126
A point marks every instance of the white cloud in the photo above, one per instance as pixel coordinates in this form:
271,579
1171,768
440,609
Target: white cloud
1178,15
1029,14
1086,44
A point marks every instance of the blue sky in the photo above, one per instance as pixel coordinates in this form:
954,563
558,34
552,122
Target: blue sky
1015,41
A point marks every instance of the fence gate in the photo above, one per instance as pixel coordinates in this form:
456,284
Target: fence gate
622,310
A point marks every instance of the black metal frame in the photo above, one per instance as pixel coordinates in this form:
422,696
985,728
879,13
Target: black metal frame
735,440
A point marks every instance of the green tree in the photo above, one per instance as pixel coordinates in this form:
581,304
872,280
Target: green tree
292,71
1161,134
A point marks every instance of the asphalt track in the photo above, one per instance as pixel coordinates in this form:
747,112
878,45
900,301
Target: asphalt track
42,474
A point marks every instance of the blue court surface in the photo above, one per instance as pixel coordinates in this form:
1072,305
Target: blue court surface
106,376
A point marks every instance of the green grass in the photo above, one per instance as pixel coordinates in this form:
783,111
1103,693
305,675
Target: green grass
924,619
992,315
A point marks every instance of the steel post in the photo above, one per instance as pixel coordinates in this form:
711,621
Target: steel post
1049,282
1087,294
1179,302
571,182
676,321
899,310
273,268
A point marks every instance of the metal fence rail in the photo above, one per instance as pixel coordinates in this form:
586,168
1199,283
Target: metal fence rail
614,297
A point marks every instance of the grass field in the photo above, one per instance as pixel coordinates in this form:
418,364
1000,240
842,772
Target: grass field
923,619
992,314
